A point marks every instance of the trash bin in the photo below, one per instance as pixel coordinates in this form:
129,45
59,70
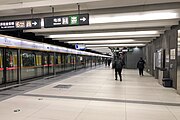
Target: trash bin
167,82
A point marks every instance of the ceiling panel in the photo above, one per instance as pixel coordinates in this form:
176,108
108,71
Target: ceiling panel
125,3
11,2
43,3
144,25
41,8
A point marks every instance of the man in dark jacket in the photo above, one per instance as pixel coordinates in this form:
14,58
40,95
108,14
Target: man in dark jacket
140,66
118,65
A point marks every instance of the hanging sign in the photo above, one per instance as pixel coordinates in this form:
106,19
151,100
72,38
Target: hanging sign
68,20
21,24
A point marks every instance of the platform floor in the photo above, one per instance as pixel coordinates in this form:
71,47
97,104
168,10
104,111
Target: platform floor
95,95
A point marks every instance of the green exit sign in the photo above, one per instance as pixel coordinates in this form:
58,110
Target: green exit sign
74,20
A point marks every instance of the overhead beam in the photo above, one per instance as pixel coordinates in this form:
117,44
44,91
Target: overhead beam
42,3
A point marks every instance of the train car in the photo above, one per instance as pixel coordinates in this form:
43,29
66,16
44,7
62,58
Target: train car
21,60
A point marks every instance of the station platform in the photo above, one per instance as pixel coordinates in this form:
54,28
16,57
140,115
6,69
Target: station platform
94,95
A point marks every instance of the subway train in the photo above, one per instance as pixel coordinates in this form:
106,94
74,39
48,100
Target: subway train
21,60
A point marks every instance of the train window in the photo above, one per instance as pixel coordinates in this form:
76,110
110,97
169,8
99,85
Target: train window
68,59
59,59
15,59
11,59
56,59
62,59
9,62
28,59
78,59
38,59
72,59
51,61
45,60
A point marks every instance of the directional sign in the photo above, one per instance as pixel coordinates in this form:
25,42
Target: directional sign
84,19
68,20
80,46
21,24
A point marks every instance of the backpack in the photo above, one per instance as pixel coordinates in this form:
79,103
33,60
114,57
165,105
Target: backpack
118,64
141,64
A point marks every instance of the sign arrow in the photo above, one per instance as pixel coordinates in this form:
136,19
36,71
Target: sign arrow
83,19
34,23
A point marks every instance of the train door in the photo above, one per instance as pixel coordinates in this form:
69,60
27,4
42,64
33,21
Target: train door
74,61
60,62
63,62
11,65
67,61
45,63
87,62
84,61
1,67
39,70
51,63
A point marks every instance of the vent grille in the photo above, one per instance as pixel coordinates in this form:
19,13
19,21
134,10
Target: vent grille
63,86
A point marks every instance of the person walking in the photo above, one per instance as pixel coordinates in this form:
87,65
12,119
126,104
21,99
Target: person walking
106,61
118,65
109,62
140,66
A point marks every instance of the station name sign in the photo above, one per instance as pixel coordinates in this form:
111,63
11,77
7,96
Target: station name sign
80,46
68,20
21,24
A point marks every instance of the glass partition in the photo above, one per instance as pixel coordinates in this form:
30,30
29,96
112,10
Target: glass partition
178,62
1,67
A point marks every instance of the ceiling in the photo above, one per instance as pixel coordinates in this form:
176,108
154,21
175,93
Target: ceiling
140,21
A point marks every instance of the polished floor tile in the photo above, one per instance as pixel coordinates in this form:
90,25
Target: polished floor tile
95,95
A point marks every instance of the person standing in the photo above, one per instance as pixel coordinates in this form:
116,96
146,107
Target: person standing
118,65
140,66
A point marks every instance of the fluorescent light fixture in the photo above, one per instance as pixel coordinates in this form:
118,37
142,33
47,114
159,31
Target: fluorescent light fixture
99,47
179,39
105,34
136,48
42,22
127,17
107,37
114,45
103,41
